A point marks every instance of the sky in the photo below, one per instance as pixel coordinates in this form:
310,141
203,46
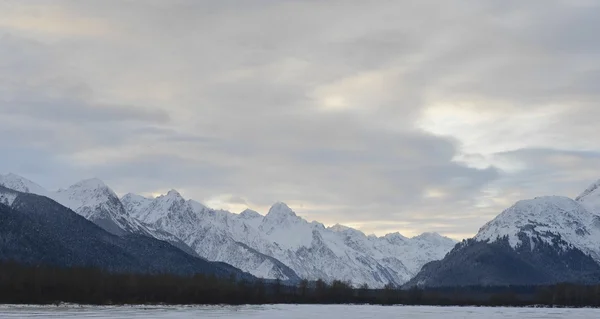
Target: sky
386,116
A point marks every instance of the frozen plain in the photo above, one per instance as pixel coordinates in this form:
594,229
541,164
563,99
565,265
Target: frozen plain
291,312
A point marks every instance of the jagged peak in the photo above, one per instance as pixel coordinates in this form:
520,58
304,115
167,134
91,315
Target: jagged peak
432,236
173,192
171,195
395,236
249,213
339,228
133,196
90,185
281,209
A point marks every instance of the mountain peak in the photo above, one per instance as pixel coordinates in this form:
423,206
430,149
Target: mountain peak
21,184
281,209
543,217
90,183
433,237
249,213
173,193
339,228
395,237
12,175
92,187
136,197
429,235
345,230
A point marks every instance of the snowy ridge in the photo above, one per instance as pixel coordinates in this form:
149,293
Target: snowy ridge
280,242
85,196
545,218
21,184
207,232
95,201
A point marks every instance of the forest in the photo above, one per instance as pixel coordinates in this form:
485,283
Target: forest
27,284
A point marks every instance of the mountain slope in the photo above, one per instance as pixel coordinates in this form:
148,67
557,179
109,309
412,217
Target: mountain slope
539,241
293,246
203,230
277,245
590,198
98,203
476,263
544,218
38,230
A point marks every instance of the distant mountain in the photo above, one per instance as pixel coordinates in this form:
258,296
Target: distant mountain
37,230
546,218
279,244
283,245
539,241
98,203
211,233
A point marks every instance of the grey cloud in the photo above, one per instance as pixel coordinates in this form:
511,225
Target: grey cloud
222,97
236,200
554,171
34,86
63,110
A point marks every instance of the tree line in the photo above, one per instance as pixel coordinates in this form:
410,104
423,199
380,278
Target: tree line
27,284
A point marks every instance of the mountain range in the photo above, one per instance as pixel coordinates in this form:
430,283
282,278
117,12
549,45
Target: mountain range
537,241
278,245
37,230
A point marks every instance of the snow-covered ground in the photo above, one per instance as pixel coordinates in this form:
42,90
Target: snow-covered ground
292,312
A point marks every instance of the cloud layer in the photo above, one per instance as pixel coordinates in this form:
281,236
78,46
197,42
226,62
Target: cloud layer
387,116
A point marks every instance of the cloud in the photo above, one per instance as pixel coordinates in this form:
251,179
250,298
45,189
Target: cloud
545,171
386,116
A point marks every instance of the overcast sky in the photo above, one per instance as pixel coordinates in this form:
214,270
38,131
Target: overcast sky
387,116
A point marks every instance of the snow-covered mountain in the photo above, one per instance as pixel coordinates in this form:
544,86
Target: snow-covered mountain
545,218
36,230
590,198
536,241
21,184
284,245
279,244
577,221
210,233
96,202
